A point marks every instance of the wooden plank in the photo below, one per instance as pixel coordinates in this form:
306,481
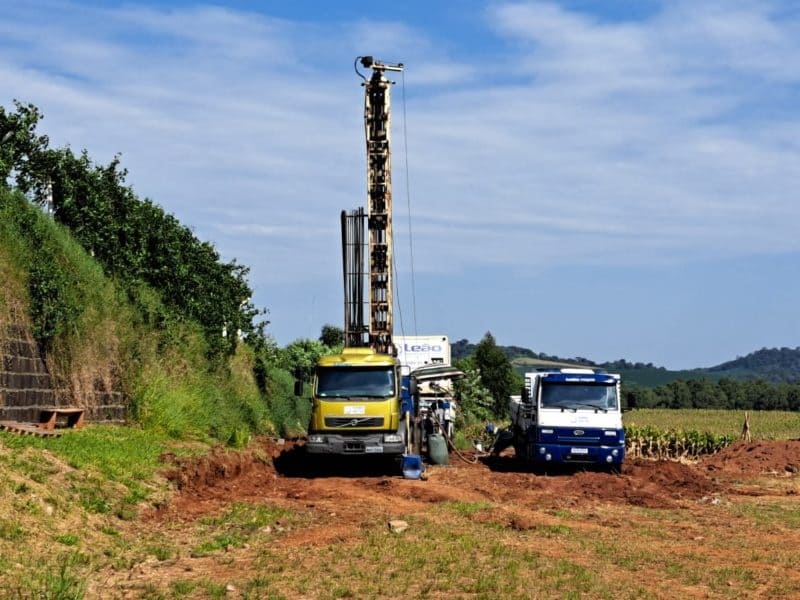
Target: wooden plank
28,429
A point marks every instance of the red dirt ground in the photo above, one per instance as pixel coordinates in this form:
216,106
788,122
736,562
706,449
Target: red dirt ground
521,499
279,471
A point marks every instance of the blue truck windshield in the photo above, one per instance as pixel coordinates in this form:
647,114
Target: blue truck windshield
579,396
355,382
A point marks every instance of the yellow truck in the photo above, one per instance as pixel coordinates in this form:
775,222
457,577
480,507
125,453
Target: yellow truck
356,405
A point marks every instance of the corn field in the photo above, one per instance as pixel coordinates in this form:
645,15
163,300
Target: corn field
691,433
764,424
672,444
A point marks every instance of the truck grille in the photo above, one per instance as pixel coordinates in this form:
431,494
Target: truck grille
583,437
353,421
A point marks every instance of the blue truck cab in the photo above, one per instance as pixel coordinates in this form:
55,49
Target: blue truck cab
569,416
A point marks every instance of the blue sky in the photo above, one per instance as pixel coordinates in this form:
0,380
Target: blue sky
598,179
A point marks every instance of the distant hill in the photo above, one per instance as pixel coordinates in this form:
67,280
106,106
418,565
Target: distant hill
463,348
776,365
772,364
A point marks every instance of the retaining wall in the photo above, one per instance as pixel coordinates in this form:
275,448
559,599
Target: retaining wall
26,385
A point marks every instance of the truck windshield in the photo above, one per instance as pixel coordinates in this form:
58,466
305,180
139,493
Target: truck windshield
361,382
579,396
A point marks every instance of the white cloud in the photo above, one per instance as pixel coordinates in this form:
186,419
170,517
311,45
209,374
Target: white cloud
610,127
575,140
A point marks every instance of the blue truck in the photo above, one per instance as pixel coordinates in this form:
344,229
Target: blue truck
568,416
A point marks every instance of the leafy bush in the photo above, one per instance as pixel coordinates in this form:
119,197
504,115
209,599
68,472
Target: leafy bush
476,402
288,412
31,238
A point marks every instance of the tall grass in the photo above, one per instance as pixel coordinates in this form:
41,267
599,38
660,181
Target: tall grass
288,412
61,579
181,400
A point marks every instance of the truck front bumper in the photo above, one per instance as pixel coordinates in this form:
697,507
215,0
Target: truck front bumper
560,453
374,444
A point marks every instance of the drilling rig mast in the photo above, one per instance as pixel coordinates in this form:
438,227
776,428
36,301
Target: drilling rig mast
377,125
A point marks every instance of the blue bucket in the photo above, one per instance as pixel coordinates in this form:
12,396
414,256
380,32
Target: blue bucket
412,466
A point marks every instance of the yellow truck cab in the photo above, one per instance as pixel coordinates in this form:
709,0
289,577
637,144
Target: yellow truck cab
356,405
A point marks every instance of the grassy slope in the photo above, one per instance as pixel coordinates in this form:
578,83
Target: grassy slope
124,336
63,500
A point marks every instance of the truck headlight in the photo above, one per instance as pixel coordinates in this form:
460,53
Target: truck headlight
392,438
316,439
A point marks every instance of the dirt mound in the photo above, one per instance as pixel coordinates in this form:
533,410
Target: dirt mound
756,458
651,484
196,473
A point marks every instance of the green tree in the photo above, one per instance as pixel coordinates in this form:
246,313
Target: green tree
635,396
133,239
793,396
706,394
21,148
475,401
496,373
331,336
300,356
680,396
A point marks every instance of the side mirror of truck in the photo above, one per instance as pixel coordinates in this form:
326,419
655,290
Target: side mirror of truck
298,388
412,386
